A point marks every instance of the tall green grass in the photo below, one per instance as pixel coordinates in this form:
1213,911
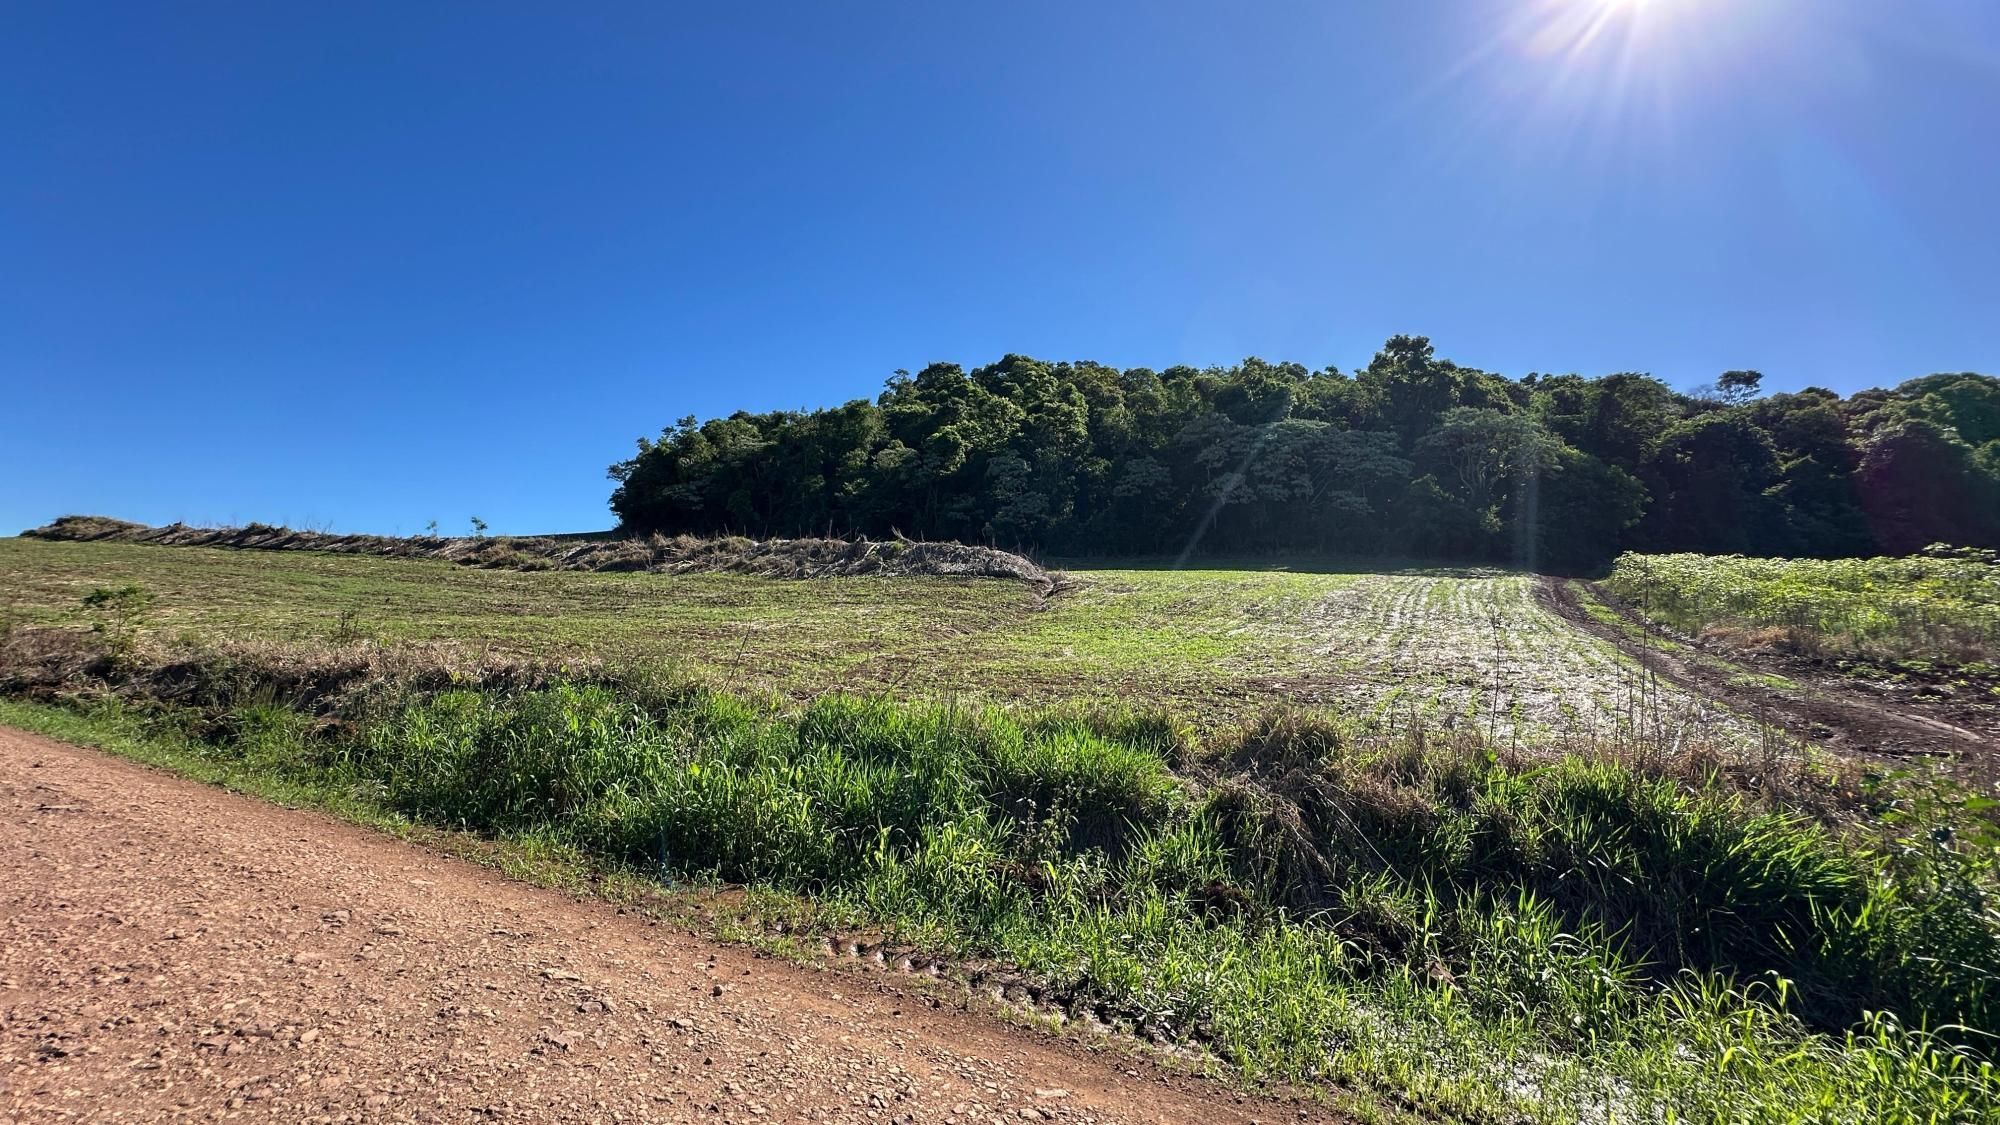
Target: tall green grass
1943,605
1430,925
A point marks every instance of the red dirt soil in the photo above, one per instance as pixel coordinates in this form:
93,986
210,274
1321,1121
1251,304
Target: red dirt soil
170,951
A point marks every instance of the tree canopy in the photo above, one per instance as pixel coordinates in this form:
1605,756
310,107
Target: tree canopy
1412,455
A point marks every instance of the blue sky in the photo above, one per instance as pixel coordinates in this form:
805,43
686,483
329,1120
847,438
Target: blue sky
365,265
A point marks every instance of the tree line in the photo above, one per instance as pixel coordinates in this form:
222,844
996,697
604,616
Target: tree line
1413,455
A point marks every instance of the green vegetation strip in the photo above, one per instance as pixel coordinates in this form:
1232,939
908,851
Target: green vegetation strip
1942,607
1423,923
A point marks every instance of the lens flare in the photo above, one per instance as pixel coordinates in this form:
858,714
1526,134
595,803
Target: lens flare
1610,72
1576,29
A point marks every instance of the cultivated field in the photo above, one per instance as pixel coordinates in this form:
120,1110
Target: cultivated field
1434,647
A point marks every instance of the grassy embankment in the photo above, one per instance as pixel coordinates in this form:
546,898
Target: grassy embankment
1423,918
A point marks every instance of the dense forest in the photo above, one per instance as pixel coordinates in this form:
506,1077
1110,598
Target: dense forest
1413,455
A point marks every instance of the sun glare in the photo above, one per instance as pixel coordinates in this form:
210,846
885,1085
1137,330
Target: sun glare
1614,69
1574,28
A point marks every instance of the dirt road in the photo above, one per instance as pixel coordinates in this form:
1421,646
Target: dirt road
170,951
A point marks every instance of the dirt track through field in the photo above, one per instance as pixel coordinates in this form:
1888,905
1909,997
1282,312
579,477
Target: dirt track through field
1827,711
169,951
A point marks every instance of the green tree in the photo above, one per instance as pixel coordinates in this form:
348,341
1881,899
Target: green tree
1407,388
1579,514
1920,484
1709,478
1738,387
1415,453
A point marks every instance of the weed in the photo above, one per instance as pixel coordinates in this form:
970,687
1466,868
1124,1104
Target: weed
119,612
349,628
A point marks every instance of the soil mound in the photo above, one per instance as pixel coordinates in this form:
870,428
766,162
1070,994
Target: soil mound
678,554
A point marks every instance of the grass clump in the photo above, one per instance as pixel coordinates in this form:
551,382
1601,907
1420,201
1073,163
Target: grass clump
1429,923
1421,846
706,785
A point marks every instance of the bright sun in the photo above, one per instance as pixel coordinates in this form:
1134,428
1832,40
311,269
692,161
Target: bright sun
1610,74
1572,27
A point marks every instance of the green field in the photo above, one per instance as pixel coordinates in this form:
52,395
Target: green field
1428,646
1403,837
